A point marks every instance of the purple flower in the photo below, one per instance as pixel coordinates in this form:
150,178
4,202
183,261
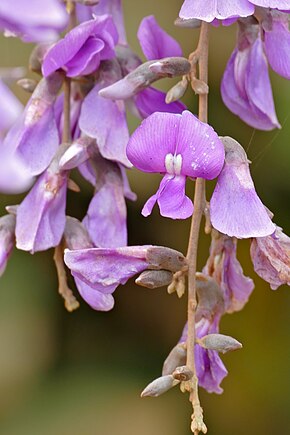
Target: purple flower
156,44
224,267
34,138
83,48
177,146
7,239
40,218
33,20
77,237
210,369
277,42
235,208
246,88
105,269
211,9
10,108
271,258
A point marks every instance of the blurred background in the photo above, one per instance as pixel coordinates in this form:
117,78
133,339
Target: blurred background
82,373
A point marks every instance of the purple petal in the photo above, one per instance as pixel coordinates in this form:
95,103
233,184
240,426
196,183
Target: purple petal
14,176
275,4
271,258
155,42
200,147
152,100
106,216
220,9
87,60
69,49
171,198
105,269
235,208
10,107
152,141
96,299
112,133
40,218
126,186
277,47
33,20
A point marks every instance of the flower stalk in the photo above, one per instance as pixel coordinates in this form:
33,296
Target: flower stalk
201,56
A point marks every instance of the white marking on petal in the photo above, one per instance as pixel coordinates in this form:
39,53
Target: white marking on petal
173,164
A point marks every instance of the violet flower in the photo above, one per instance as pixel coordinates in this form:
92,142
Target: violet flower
83,48
224,267
271,258
210,369
33,20
105,269
235,208
212,9
177,146
7,239
77,237
246,88
155,44
40,218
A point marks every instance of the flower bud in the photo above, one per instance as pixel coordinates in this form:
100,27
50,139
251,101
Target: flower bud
28,85
37,56
219,342
171,66
182,373
210,297
177,91
154,278
176,358
160,257
159,386
77,153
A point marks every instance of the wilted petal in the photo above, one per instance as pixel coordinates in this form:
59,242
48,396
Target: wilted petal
277,46
152,100
171,198
220,9
235,208
7,239
111,133
155,42
271,258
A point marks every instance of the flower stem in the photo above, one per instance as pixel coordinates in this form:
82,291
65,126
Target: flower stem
199,206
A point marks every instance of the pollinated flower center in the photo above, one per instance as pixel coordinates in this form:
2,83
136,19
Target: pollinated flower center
173,163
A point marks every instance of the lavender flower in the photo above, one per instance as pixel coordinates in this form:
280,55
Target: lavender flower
177,146
220,9
271,258
7,239
246,88
40,218
235,208
105,269
224,267
83,48
33,20
77,237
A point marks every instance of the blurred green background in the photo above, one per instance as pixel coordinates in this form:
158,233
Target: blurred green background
82,373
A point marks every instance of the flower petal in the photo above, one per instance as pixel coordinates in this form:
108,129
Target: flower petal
275,4
277,47
153,140
96,299
155,42
211,9
152,100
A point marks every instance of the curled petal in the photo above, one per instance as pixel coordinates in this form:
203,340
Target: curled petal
171,198
235,208
155,42
96,299
152,100
220,9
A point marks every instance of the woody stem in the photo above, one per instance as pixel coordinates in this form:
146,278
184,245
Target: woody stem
199,206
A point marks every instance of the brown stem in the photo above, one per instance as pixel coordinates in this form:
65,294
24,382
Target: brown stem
199,206
66,132
70,301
